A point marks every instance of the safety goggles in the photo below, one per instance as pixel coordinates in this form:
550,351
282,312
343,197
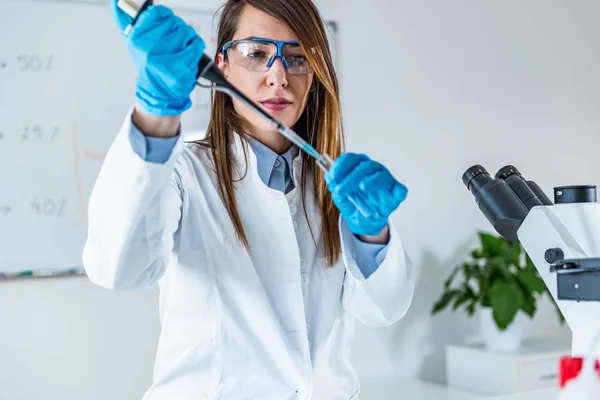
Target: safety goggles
258,54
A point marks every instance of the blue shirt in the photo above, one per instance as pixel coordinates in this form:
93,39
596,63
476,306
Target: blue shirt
275,170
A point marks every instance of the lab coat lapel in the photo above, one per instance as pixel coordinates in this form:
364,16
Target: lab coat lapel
274,252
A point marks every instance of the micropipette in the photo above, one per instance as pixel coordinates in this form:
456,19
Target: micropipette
208,70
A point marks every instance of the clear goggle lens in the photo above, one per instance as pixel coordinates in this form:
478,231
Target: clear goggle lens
259,56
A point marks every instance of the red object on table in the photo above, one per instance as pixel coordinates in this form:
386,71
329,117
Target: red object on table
570,367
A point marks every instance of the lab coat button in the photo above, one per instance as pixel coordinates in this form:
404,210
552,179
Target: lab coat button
305,279
303,394
295,225
302,264
308,328
293,209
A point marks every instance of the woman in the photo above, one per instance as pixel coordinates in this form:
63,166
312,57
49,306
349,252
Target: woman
262,262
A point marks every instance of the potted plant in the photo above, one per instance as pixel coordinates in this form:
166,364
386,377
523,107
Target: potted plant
502,282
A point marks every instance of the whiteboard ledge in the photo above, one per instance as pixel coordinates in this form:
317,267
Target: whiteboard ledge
42,273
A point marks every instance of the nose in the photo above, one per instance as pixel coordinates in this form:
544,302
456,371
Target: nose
277,75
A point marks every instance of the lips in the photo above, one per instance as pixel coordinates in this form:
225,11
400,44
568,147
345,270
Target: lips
276,103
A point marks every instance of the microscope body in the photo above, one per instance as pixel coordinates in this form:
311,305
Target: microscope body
562,238
573,228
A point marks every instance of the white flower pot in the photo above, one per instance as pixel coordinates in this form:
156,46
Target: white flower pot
496,340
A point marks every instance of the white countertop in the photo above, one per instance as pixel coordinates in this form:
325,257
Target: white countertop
411,390
415,389
544,394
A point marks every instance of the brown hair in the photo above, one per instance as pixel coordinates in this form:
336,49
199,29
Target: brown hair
320,124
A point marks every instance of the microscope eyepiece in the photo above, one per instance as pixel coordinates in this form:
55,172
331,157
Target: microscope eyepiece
528,191
496,200
517,183
507,171
476,171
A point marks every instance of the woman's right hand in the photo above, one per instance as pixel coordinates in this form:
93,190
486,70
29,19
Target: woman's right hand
165,51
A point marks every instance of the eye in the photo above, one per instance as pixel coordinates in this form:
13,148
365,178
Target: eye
255,54
296,58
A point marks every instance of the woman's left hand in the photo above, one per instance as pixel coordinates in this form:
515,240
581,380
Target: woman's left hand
370,185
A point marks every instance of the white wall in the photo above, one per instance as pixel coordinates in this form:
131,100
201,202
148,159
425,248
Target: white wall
455,84
452,84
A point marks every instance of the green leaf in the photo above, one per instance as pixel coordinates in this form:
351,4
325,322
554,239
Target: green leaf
531,280
501,275
561,317
471,307
444,300
469,270
499,270
484,290
516,251
529,264
460,300
448,281
477,254
529,306
467,294
506,299
512,253
491,245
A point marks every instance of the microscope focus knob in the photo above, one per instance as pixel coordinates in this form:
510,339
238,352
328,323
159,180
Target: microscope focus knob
553,255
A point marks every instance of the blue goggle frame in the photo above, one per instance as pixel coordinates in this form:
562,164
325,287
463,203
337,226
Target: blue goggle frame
280,46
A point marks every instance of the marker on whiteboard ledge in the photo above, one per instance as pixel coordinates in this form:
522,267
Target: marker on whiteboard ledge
132,9
42,273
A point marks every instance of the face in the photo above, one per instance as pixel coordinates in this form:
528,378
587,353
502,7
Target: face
281,94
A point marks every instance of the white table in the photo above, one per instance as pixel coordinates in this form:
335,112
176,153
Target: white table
415,389
411,390
543,394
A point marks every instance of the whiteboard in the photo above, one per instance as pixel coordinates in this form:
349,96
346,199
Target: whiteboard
66,83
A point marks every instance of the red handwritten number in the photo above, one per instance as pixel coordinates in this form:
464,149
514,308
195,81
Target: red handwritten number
78,156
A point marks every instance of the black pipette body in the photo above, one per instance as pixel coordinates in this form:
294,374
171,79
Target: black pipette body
208,70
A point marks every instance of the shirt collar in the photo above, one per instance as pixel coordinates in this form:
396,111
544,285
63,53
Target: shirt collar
265,158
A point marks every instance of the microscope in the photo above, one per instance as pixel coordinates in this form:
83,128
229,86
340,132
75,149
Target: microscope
562,238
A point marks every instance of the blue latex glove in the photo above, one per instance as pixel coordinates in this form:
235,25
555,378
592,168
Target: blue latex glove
165,51
371,185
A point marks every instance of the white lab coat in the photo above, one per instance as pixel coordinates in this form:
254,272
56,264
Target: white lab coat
270,324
